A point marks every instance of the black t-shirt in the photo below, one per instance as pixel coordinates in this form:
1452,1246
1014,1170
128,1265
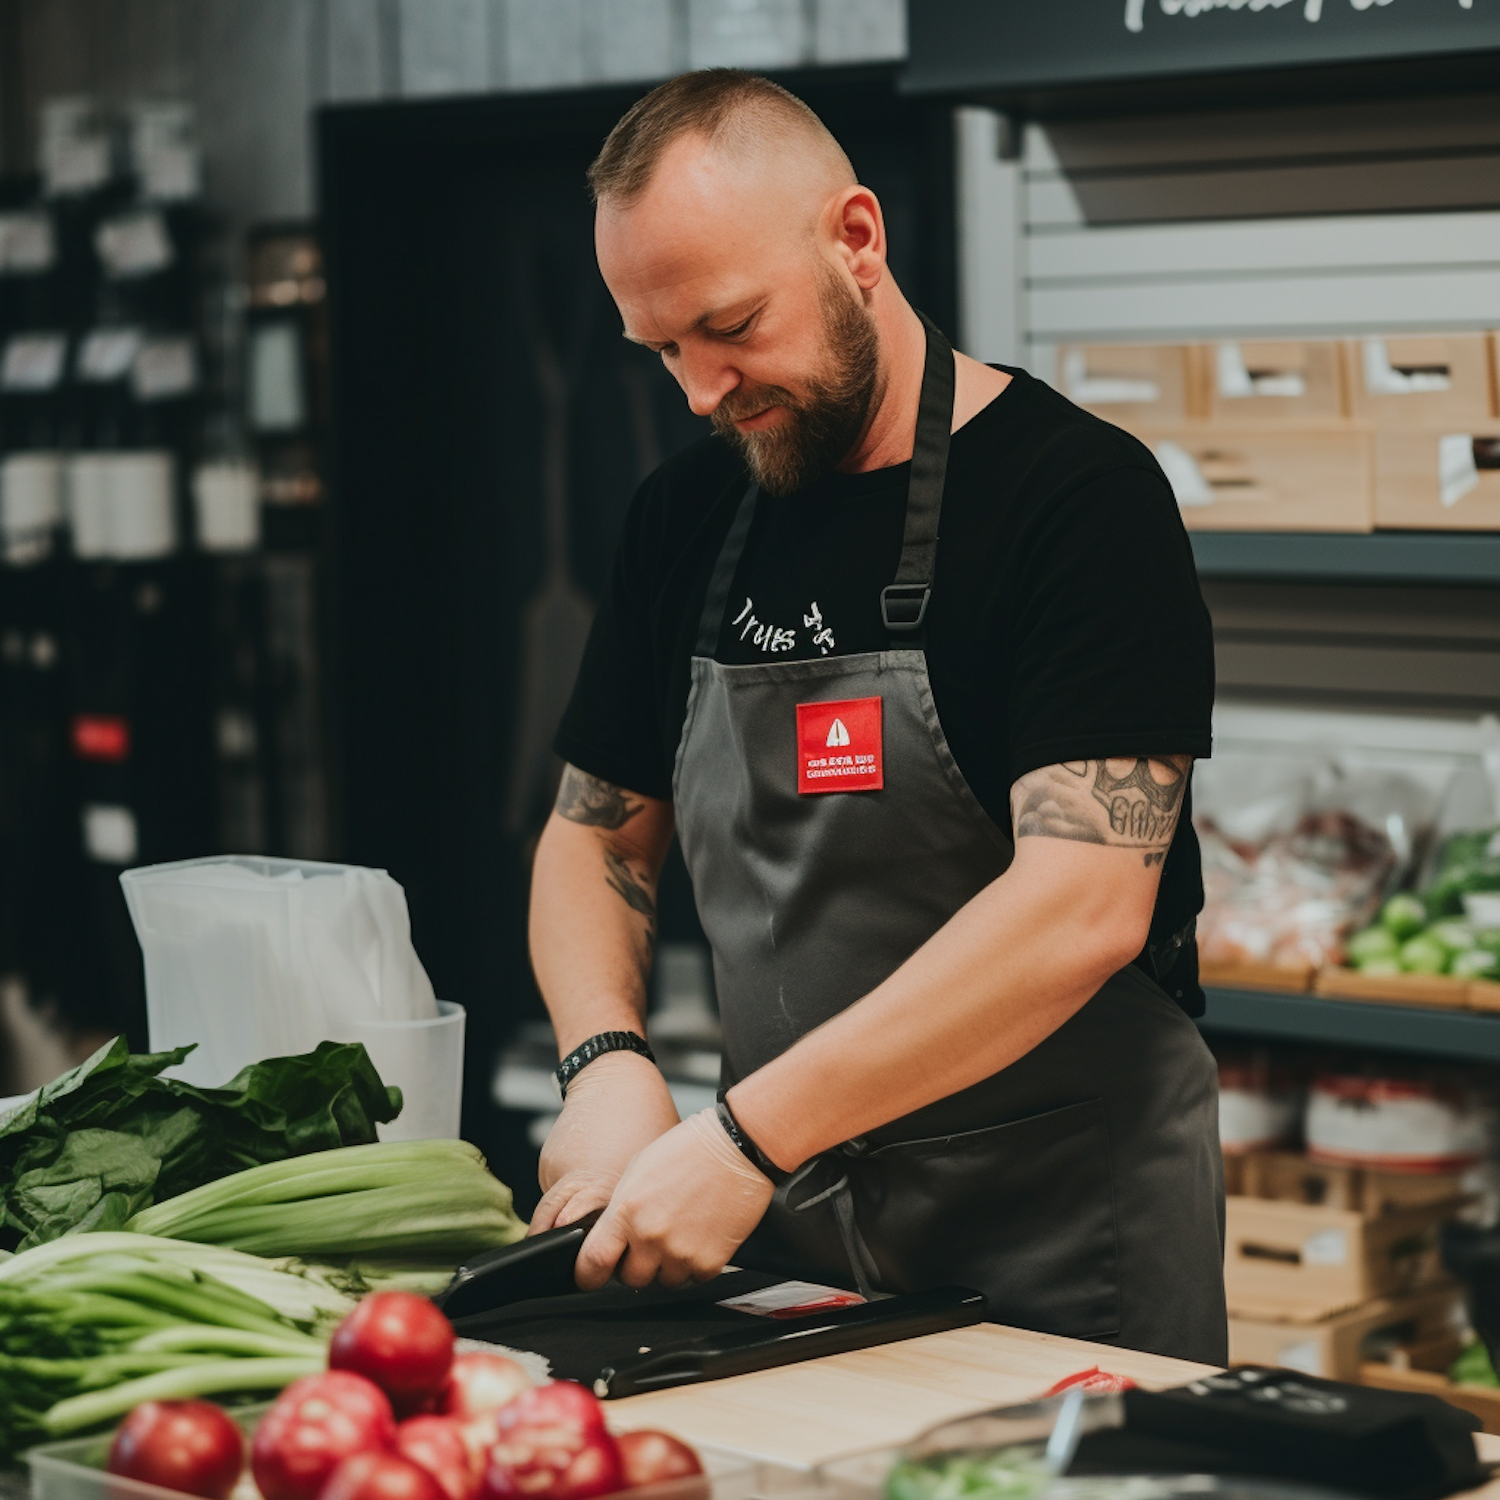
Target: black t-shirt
1065,622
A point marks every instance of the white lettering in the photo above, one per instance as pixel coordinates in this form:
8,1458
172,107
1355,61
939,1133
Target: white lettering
749,605
1312,10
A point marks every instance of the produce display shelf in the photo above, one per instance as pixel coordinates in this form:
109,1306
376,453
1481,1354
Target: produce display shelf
1455,1034
1387,556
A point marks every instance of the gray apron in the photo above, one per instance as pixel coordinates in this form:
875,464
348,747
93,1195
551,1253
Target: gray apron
1081,1188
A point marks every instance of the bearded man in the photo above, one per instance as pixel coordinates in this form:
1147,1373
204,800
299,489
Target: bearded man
912,656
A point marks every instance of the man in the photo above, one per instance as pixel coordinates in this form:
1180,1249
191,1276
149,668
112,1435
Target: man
930,791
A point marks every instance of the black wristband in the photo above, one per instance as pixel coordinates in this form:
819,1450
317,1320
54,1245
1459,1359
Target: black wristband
596,1046
747,1147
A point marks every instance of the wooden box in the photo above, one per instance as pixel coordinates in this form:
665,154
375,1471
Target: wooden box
1268,480
1443,380
1280,383
1290,1256
1335,1346
1256,976
1424,1371
1440,990
1439,480
1289,1177
1133,385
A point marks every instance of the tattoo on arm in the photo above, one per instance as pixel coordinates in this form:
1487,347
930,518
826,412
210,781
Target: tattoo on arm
635,892
1128,803
597,804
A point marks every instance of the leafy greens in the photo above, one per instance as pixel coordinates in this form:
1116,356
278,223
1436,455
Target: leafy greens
113,1136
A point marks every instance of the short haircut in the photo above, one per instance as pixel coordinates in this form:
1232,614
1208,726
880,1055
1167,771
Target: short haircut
727,105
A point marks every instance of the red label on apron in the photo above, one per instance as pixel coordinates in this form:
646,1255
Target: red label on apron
839,746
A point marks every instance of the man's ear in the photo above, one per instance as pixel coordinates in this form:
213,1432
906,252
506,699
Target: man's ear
858,229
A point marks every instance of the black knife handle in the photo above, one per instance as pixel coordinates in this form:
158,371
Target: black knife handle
768,1342
541,1265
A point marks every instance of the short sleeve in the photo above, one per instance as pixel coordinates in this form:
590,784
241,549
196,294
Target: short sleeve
1112,644
611,727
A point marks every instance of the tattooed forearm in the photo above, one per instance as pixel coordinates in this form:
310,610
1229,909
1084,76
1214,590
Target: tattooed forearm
1130,803
628,886
598,804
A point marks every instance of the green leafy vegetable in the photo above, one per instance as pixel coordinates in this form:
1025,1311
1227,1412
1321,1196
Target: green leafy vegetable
1473,1367
113,1136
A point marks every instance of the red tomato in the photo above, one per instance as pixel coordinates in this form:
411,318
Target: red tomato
315,1424
398,1340
380,1476
439,1445
551,1444
191,1446
480,1383
651,1457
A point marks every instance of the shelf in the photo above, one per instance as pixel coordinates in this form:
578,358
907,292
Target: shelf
1457,1034
1381,557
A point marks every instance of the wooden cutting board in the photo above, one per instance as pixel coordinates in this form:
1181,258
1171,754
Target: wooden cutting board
826,1409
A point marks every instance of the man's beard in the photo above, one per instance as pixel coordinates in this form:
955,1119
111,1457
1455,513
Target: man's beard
819,429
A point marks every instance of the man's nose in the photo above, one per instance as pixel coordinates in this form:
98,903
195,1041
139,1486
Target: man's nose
705,382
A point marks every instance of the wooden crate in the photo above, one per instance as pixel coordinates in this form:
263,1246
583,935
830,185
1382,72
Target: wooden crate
1439,478
1133,385
1258,976
1290,1177
1440,990
1379,368
1335,1346
1277,383
1285,1256
1267,478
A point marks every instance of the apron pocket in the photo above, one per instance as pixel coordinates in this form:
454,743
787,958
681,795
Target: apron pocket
1023,1212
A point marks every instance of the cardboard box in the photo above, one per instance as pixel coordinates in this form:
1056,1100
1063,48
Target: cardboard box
1290,1177
1133,385
1277,383
1335,1346
1424,1372
1439,479
1435,381
1296,1257
1268,479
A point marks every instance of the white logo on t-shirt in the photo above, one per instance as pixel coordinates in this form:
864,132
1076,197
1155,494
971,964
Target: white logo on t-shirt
837,734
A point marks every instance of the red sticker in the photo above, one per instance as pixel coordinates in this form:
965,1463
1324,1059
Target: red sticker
839,746
101,737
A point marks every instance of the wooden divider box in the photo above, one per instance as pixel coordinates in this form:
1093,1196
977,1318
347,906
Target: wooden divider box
1291,1256
1290,1177
1336,1345
1133,385
1277,383
1268,479
1443,380
1439,479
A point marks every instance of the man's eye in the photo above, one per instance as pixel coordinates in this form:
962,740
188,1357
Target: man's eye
738,330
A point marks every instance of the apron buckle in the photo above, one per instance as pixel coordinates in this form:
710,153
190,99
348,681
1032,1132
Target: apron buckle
903,606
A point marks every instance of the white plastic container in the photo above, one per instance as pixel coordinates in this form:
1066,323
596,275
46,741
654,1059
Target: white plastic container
247,957
87,488
226,506
30,504
1394,1124
142,515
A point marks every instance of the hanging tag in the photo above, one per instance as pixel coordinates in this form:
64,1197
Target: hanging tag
840,746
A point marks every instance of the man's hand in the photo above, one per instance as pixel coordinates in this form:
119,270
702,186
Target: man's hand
686,1203
616,1106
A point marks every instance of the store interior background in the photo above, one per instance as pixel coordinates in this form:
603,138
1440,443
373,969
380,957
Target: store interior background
351,686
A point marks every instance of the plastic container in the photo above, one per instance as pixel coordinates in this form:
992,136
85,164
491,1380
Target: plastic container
237,967
226,507
87,486
143,513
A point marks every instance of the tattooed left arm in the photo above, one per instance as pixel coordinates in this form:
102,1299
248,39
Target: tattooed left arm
1030,950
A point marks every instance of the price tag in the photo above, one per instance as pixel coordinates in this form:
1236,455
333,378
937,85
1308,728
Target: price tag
108,353
33,362
164,368
27,243
134,244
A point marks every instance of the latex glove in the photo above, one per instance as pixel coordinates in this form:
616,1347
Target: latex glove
684,1206
615,1106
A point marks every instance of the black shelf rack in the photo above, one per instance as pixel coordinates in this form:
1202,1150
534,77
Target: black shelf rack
1410,557
1459,1035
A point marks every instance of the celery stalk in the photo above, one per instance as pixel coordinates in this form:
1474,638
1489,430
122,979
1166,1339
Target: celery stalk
205,1339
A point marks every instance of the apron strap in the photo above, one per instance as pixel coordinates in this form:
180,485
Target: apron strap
716,602
903,604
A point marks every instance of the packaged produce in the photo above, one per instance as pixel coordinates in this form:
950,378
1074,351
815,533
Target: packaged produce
112,1137
1260,1102
192,1446
393,1198
1299,855
1395,1124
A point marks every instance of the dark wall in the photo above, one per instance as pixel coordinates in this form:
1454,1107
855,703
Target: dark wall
462,290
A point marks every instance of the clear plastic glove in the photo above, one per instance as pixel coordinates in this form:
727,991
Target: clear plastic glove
686,1203
615,1106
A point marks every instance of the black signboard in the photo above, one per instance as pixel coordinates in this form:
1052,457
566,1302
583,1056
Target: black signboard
1059,56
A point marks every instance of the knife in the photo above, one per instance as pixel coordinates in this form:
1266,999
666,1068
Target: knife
773,1341
539,1266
